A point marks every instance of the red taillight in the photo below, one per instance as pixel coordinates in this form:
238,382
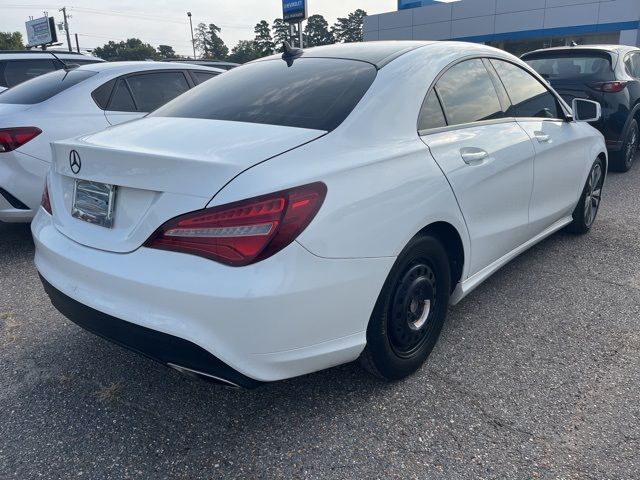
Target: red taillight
609,87
243,232
12,138
46,203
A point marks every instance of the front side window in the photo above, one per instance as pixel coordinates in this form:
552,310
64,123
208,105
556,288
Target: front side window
44,87
529,98
468,94
152,90
201,76
313,93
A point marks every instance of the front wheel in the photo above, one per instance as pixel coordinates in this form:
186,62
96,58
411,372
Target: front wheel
587,209
410,311
621,161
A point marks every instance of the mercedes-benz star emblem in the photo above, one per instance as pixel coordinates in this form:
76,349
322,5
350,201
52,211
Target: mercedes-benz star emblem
74,161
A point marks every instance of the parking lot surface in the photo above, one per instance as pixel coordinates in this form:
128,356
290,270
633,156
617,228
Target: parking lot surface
536,375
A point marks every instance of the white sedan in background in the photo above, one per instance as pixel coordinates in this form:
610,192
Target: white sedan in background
71,102
310,209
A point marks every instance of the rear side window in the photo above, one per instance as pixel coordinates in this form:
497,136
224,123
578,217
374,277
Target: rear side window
122,101
44,87
632,64
151,90
580,66
201,77
13,72
314,93
529,98
468,94
431,115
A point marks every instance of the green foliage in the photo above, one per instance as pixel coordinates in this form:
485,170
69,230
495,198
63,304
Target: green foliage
317,33
208,42
11,41
280,33
132,49
349,29
263,42
166,52
245,51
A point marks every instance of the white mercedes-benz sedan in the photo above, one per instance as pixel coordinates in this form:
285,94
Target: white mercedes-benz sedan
71,102
314,207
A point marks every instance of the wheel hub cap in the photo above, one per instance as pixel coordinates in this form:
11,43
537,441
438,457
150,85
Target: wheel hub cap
412,308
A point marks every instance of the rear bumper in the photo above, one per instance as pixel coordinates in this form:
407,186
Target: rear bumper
166,349
22,177
289,315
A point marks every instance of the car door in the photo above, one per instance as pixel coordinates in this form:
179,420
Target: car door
560,150
138,94
487,159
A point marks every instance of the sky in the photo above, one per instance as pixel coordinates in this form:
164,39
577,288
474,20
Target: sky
165,21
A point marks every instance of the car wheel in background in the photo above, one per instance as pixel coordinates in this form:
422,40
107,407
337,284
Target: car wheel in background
621,161
587,209
410,311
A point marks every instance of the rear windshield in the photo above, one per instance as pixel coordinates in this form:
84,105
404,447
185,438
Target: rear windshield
314,93
572,65
44,87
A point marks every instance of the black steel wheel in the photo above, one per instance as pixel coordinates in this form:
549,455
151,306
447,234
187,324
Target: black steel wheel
410,311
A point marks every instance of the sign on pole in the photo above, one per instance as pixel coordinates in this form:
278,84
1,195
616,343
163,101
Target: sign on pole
41,31
294,11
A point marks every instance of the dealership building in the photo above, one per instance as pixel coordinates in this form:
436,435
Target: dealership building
517,26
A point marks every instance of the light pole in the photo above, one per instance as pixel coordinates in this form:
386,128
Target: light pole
193,42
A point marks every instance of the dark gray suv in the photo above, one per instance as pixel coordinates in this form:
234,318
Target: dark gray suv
608,74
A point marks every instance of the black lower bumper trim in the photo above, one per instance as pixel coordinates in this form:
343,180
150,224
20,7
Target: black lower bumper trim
164,348
13,201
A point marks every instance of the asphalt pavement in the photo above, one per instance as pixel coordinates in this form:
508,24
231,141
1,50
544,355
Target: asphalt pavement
536,375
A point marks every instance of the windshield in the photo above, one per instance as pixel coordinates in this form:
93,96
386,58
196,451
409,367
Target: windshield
594,66
44,87
314,93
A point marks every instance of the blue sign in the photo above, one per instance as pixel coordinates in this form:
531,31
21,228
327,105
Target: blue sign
294,11
404,4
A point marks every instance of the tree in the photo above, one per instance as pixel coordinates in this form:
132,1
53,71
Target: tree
281,32
348,30
166,52
245,51
208,42
317,33
263,42
11,41
132,49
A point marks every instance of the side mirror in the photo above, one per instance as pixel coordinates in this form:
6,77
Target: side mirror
586,110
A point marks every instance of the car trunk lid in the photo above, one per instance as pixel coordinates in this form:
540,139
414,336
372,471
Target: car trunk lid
161,168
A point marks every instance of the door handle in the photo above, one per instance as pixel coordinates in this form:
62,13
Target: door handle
542,137
473,156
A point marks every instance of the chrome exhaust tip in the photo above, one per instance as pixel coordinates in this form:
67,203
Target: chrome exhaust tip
207,377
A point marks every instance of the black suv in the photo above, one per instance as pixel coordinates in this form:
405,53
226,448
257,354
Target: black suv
609,74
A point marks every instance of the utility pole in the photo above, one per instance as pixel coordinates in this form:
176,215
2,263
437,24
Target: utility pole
66,26
77,43
193,42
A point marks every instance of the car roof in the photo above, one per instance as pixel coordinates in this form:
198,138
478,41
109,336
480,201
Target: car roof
23,54
125,67
201,62
602,48
377,53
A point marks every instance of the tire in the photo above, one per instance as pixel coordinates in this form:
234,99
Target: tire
586,211
410,311
623,160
